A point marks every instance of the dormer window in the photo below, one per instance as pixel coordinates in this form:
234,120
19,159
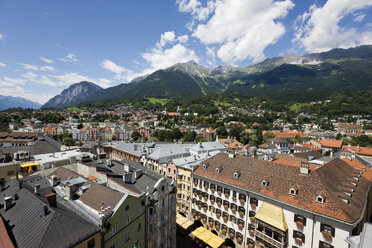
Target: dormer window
265,183
219,169
293,190
237,174
205,166
320,199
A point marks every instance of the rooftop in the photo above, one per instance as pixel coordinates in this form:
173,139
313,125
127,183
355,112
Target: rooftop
31,226
280,178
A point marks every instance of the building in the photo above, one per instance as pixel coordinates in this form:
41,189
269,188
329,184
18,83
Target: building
31,216
258,203
180,170
132,151
151,198
120,216
11,139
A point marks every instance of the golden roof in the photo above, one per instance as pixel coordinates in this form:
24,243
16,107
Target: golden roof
183,222
272,215
208,237
28,164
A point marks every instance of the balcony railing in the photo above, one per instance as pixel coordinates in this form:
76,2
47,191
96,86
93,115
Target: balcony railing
269,239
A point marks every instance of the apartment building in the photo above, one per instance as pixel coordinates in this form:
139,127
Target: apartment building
256,203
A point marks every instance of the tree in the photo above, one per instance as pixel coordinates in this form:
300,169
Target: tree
68,141
136,135
189,136
268,135
221,132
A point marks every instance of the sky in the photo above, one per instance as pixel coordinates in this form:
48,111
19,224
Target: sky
45,45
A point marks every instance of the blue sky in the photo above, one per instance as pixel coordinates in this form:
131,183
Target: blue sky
45,46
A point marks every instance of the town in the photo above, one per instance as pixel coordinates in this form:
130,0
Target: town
146,177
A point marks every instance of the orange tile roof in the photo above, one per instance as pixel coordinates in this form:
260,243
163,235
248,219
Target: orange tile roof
367,151
288,134
367,174
235,144
331,143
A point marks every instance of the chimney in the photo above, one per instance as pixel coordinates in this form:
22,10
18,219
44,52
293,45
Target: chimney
126,167
54,180
52,200
37,189
127,177
331,155
231,155
8,202
304,169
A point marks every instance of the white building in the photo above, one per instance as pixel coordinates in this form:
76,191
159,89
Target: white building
256,203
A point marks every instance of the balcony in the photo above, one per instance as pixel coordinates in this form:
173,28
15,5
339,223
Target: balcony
269,239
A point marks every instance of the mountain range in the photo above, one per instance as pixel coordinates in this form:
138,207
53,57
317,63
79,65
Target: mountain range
297,77
17,102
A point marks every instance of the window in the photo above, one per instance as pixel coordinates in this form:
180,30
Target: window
232,218
299,236
91,243
151,211
327,230
126,207
113,230
319,199
127,236
253,202
169,170
113,246
11,172
174,171
324,245
252,214
128,220
300,219
139,226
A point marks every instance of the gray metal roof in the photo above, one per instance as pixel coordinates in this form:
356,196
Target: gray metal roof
208,146
166,152
147,179
39,147
137,149
31,227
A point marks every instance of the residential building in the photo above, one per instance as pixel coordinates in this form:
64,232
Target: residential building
132,151
258,203
32,216
119,215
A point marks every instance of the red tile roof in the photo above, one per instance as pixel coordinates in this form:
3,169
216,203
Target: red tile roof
366,151
282,177
331,143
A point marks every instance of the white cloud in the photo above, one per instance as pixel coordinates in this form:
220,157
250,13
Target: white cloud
2,37
170,37
157,58
359,18
163,58
37,68
195,7
319,30
111,66
69,58
47,68
183,38
46,60
29,67
240,29
63,80
2,64
10,87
